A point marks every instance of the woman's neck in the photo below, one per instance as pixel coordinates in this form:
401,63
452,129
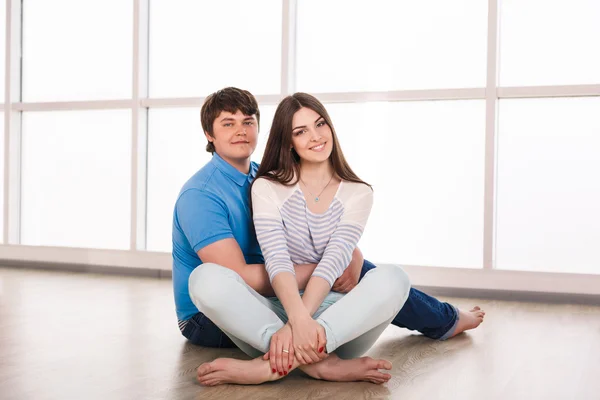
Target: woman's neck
316,172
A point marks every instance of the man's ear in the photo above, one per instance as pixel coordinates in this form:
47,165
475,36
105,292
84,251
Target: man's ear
208,137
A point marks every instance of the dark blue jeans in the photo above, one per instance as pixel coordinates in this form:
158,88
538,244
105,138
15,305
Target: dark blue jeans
421,313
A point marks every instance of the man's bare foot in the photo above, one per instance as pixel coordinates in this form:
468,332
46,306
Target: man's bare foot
469,320
335,369
229,370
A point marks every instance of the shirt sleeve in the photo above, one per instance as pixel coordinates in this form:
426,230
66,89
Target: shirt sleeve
269,230
346,235
203,218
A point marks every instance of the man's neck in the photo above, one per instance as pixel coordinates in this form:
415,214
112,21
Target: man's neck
242,165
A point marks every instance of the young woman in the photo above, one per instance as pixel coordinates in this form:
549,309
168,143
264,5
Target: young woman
311,208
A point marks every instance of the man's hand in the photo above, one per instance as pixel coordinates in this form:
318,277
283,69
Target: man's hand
351,275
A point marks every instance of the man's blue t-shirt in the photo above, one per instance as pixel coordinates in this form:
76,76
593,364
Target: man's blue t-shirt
212,205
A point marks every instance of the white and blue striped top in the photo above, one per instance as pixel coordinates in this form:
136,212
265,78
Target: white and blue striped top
289,233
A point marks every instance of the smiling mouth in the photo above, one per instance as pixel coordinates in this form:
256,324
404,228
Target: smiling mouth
241,142
318,147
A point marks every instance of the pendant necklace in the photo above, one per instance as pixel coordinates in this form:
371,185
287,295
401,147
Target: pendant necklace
316,198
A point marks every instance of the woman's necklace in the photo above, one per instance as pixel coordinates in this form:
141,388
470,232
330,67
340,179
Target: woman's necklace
316,198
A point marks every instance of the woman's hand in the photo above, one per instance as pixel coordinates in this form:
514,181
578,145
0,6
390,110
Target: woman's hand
281,361
309,339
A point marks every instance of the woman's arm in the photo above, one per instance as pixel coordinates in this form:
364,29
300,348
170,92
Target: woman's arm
338,253
272,241
307,336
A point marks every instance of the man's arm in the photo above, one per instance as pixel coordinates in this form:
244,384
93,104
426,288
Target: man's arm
203,218
227,253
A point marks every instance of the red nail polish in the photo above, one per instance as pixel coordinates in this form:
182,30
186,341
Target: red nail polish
273,370
280,374
321,350
290,367
285,372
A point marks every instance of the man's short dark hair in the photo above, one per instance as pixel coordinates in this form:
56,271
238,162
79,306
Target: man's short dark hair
231,100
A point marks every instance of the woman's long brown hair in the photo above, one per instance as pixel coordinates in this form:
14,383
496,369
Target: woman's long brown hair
282,165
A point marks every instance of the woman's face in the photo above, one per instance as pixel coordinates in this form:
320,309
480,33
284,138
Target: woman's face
311,136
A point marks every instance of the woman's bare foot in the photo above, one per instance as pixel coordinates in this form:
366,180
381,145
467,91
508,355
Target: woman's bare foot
254,372
335,369
229,370
469,320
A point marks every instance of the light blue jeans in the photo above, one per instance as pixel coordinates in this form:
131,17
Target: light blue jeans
353,322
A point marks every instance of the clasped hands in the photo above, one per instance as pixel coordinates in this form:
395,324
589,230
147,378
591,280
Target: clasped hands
302,339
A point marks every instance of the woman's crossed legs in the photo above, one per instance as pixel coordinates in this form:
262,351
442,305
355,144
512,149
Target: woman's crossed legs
250,320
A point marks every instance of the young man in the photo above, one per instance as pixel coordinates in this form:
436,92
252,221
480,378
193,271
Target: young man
212,223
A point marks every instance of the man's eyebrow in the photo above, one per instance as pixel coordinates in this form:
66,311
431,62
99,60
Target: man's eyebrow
228,119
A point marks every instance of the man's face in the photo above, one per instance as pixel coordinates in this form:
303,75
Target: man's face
235,135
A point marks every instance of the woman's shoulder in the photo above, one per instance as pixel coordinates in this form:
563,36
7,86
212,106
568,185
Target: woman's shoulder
268,186
355,187
354,191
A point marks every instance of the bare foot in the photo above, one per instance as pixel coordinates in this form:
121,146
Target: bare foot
335,369
469,320
229,370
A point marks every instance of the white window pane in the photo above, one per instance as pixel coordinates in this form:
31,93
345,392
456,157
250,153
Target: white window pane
2,177
548,213
2,46
549,42
77,50
391,44
176,150
76,175
266,119
198,47
425,161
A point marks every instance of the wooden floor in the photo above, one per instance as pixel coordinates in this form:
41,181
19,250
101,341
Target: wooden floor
83,336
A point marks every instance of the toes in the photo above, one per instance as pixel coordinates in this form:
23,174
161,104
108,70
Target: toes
379,377
476,308
206,377
204,369
384,364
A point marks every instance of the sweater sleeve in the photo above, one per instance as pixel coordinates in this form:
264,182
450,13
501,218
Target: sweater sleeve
345,237
269,229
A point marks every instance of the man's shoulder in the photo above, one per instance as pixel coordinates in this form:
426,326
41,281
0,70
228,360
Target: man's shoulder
201,185
201,179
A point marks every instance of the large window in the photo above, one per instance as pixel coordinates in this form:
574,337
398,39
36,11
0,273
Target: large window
475,121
